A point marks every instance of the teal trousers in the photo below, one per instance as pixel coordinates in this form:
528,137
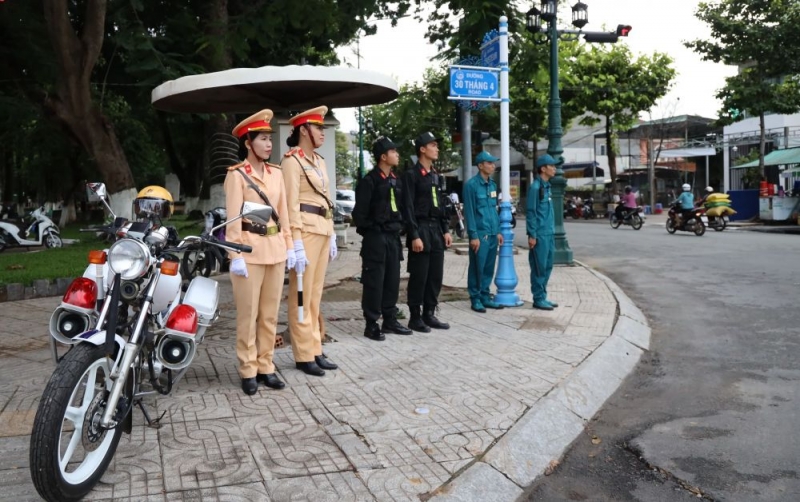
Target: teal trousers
481,268
540,259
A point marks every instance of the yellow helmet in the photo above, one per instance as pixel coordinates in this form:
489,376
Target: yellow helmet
153,201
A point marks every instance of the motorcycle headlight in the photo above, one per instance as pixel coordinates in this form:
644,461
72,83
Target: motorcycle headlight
129,258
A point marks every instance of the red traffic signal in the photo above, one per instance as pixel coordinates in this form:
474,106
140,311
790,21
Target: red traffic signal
623,30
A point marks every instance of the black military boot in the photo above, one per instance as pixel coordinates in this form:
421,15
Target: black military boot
373,332
431,320
416,322
392,326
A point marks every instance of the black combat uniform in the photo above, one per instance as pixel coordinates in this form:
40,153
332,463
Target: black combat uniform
378,218
427,220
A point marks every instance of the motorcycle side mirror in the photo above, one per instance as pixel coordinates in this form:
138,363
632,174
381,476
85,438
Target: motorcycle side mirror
96,192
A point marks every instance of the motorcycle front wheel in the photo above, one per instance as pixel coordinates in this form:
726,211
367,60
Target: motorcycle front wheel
52,240
671,226
615,223
196,262
699,228
69,452
720,224
636,221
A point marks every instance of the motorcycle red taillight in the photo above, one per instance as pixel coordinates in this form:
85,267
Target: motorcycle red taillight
81,293
183,319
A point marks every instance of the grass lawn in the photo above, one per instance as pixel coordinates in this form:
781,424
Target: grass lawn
69,261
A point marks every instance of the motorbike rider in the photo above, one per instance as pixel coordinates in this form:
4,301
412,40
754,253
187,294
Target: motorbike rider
685,202
627,203
708,191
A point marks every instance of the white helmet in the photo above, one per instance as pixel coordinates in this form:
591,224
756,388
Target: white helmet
686,187
709,189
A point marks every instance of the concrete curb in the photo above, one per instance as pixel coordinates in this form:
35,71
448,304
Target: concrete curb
544,433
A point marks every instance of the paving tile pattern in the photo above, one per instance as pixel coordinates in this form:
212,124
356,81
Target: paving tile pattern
396,421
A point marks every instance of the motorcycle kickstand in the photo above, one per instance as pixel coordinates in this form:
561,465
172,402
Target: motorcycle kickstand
155,424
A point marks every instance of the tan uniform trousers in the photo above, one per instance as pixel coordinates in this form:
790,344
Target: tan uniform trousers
306,337
258,299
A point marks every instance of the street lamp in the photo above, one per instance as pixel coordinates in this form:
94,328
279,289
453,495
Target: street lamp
548,12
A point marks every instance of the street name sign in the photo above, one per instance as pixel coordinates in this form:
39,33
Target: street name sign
474,83
490,53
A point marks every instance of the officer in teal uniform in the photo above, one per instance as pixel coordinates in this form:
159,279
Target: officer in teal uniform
483,229
540,227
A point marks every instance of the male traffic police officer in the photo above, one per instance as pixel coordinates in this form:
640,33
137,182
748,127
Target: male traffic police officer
427,235
483,229
540,227
378,218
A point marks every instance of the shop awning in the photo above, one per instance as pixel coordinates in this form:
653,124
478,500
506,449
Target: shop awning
582,170
776,158
688,152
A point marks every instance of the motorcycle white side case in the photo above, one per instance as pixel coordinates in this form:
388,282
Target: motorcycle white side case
203,295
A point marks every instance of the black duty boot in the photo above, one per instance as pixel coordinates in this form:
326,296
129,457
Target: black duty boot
373,332
416,322
271,380
310,368
249,386
325,363
431,320
392,326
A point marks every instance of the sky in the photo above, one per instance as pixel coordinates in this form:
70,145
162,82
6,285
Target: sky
403,52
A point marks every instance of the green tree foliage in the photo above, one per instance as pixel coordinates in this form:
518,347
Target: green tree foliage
759,36
614,86
346,164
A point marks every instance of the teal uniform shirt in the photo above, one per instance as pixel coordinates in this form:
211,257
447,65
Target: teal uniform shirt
483,223
540,225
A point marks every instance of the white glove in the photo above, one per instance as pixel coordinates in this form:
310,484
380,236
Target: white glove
300,254
291,258
239,267
334,250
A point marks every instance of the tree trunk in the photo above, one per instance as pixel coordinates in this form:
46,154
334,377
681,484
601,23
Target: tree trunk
612,156
762,143
72,103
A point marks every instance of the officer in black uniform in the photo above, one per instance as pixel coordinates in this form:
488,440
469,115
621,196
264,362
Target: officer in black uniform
427,236
377,216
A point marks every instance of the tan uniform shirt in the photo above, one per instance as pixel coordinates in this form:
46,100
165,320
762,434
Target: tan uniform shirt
298,171
267,249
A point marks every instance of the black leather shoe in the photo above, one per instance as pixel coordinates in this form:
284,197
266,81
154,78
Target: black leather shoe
310,368
417,325
392,326
325,363
249,386
431,320
373,332
271,380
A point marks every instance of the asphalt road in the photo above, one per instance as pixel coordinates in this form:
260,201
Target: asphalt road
713,410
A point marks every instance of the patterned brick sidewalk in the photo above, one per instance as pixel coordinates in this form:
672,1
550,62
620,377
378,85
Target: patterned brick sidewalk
398,420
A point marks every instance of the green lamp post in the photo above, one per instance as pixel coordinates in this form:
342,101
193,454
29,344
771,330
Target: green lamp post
580,18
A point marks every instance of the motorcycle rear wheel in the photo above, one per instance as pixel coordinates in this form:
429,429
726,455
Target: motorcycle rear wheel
671,226
720,224
636,221
70,409
615,223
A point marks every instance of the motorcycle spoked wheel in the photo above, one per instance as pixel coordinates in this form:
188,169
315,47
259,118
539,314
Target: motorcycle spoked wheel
636,221
699,228
720,224
52,240
196,262
68,452
671,226
614,221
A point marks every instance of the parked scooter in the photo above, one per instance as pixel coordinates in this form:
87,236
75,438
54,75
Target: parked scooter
571,209
34,229
630,217
696,223
588,209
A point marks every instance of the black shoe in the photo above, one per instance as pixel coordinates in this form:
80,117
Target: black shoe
416,324
392,326
310,368
373,332
271,380
324,363
431,320
249,386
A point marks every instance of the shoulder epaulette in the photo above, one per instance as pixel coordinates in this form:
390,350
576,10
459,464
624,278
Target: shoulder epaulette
236,166
295,151
276,166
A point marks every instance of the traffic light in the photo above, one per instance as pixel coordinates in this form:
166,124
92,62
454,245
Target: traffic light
623,30
601,37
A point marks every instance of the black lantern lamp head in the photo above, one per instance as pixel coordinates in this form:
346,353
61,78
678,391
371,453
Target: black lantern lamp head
533,23
580,15
548,10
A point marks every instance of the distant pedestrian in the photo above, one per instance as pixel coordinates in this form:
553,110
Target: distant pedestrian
483,229
540,227
427,235
378,218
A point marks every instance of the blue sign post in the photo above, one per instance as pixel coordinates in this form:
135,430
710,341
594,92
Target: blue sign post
474,83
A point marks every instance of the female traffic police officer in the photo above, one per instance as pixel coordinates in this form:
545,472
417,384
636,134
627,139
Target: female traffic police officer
540,227
377,216
308,192
257,277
